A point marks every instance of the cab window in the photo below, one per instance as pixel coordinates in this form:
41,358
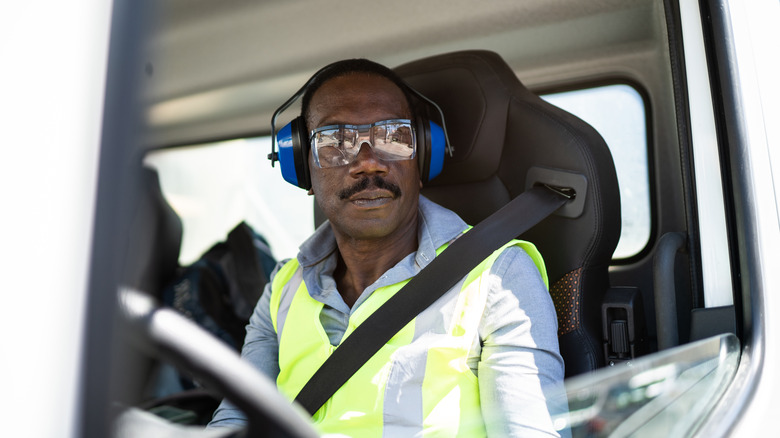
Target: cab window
213,187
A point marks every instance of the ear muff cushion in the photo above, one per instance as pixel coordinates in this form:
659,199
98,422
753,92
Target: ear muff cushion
301,148
293,146
423,147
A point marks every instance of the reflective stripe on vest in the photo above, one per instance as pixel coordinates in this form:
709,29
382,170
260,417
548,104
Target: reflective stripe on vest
419,383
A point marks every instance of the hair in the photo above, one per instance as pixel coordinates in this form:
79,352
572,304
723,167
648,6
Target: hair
350,67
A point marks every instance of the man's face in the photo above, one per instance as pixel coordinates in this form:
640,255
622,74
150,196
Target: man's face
369,198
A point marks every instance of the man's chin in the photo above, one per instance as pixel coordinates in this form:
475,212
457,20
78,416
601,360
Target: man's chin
368,227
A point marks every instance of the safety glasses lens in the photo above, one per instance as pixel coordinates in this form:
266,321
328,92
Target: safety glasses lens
338,145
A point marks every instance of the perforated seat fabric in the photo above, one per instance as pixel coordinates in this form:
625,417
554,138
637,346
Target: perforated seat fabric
500,130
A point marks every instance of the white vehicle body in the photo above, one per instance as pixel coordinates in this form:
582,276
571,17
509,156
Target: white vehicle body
61,119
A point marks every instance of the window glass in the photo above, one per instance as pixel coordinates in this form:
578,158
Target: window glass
215,186
617,112
665,394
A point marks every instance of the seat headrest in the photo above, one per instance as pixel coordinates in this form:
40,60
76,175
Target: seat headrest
474,89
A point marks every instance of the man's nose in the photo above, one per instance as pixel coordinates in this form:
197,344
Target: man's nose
367,161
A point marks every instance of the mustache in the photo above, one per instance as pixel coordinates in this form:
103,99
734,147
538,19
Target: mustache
377,181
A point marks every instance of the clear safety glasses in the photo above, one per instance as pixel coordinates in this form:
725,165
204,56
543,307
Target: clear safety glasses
338,145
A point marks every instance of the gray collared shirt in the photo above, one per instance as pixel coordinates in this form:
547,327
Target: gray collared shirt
517,362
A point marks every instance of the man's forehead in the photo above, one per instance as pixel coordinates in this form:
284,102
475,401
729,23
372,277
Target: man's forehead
351,86
364,92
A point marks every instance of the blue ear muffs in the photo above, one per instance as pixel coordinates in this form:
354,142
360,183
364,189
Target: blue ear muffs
293,143
293,155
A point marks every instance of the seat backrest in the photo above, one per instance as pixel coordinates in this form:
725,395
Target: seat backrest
505,139
154,240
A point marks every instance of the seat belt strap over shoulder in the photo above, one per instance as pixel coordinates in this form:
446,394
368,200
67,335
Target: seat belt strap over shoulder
466,252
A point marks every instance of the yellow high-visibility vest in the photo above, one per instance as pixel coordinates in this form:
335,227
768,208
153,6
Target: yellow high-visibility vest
418,383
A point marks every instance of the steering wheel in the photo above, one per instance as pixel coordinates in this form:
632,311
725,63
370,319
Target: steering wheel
170,336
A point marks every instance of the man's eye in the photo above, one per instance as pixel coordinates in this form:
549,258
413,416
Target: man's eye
331,140
400,136
329,153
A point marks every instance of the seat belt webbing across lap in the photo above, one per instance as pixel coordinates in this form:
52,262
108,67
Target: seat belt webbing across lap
470,249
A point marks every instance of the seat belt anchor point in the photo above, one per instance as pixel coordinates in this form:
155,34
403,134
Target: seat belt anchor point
567,192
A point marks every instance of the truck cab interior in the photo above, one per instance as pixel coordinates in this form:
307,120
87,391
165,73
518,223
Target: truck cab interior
622,102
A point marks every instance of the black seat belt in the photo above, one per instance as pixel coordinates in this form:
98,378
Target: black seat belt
439,276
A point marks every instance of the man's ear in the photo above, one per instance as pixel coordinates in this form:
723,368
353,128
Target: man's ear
420,184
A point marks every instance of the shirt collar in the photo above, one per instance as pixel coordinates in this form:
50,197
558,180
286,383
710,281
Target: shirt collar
437,226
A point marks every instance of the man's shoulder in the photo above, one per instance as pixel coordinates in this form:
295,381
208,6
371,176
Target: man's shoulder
433,210
283,270
518,255
442,224
319,246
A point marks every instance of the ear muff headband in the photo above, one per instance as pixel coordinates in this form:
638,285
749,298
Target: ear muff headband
293,145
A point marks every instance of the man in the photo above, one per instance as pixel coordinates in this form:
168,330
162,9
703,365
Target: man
482,359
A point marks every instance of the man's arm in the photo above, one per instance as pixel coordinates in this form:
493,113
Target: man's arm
520,369
261,349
